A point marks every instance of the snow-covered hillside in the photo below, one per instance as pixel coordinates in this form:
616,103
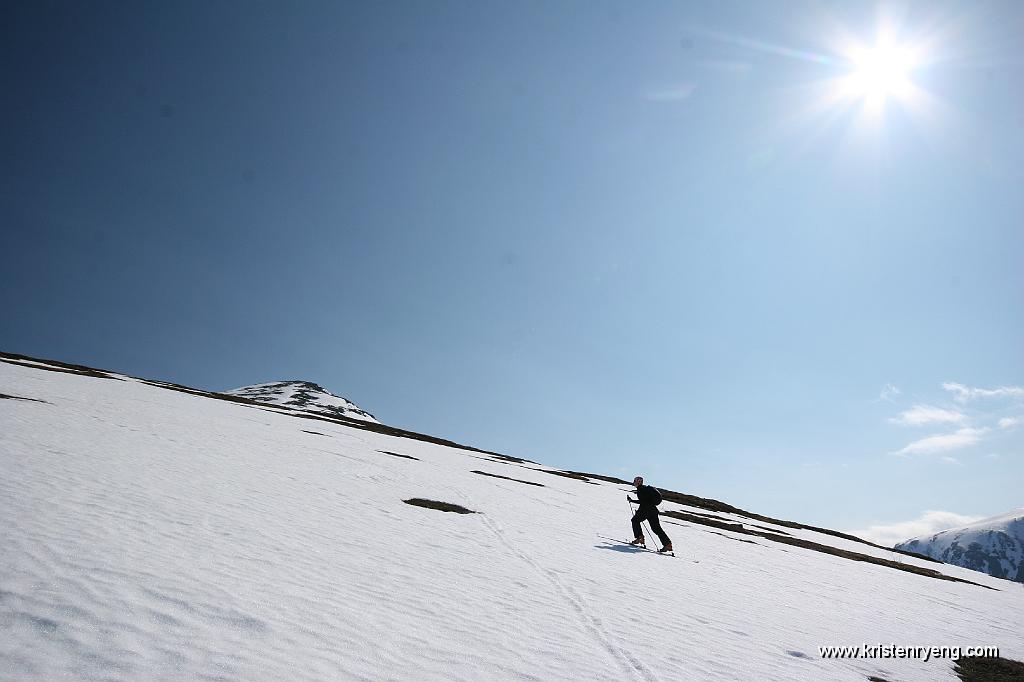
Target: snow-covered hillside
994,545
303,395
156,532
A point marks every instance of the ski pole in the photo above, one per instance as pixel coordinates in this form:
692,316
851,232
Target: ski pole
651,531
630,503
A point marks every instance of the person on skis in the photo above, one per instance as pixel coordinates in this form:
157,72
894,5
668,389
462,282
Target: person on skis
648,498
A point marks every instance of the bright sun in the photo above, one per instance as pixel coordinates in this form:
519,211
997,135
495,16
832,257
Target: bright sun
880,72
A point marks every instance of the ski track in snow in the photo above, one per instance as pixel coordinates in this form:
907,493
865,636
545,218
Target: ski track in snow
151,534
620,656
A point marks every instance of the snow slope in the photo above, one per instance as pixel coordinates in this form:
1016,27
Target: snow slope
303,395
159,533
994,545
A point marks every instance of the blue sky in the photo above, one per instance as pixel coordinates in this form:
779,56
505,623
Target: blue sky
671,240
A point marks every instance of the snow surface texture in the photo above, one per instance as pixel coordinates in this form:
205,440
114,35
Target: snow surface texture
303,395
994,545
155,534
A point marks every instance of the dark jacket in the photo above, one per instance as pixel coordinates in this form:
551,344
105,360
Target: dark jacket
647,497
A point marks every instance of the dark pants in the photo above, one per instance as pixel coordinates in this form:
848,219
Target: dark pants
650,514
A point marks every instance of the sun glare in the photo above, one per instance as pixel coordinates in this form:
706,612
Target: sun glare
864,81
881,71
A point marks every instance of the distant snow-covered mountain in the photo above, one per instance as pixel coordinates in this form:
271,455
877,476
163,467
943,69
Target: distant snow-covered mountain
304,395
994,545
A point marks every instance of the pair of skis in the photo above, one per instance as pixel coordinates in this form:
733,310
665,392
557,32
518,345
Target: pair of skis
640,547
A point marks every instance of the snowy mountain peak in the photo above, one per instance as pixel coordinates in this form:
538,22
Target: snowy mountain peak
994,545
303,395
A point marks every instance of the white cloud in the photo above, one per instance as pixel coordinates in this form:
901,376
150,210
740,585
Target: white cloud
920,415
944,442
1009,422
966,393
888,392
951,460
929,523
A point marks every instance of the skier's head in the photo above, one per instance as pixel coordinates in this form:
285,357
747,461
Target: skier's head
638,481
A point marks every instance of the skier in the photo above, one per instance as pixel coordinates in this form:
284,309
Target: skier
648,498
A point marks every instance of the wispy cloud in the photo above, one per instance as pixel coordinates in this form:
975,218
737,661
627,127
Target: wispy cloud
888,393
963,394
978,414
929,523
919,415
944,442
675,93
